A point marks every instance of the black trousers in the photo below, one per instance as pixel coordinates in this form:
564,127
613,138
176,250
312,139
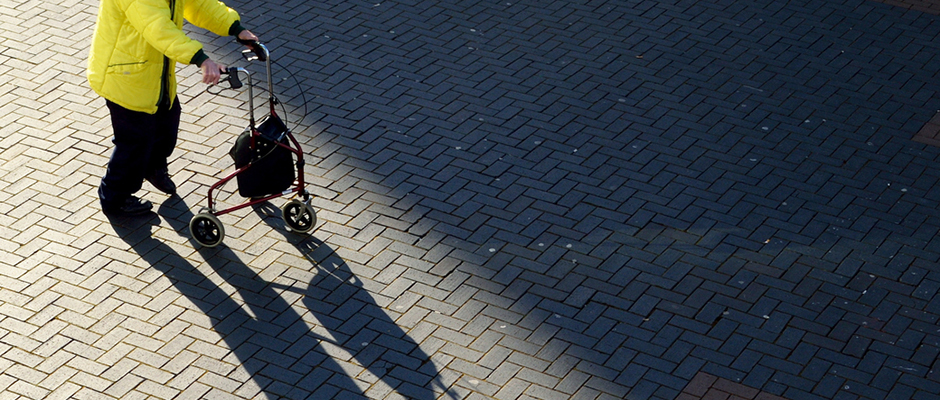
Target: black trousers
142,144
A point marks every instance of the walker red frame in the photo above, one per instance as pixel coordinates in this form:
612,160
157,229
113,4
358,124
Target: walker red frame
260,53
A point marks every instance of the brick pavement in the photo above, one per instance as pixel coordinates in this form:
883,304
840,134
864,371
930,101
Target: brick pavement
516,200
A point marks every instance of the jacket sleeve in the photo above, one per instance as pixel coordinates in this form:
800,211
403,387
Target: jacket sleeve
211,15
152,19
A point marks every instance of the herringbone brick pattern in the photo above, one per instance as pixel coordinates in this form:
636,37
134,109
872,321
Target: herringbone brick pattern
516,200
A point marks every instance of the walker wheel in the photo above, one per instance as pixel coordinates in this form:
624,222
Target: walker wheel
206,229
298,216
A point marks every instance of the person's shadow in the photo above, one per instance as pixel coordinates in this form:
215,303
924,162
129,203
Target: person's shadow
336,297
272,342
269,338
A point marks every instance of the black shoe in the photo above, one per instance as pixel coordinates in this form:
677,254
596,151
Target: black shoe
132,206
160,179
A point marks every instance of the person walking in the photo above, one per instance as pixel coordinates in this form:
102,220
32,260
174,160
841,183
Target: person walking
132,65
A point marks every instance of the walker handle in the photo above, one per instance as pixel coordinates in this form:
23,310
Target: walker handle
232,79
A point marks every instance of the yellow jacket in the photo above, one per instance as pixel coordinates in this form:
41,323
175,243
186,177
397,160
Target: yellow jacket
137,44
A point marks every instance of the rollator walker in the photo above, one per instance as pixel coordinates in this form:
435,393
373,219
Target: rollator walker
269,163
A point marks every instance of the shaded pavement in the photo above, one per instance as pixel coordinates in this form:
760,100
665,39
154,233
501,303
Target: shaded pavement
515,200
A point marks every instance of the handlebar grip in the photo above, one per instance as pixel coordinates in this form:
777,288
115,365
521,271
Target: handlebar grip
255,47
233,77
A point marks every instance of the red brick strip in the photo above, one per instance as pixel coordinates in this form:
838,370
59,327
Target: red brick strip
707,386
927,6
930,133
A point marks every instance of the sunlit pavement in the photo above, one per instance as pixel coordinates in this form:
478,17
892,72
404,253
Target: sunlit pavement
612,199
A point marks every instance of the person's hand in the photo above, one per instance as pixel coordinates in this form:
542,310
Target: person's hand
247,36
211,72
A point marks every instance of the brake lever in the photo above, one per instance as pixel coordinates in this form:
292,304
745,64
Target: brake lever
254,46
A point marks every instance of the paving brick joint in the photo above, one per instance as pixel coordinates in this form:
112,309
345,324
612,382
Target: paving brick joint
584,199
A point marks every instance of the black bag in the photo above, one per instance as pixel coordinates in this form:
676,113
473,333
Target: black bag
272,166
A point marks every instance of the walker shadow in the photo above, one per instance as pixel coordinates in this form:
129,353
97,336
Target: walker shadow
272,342
270,339
338,301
